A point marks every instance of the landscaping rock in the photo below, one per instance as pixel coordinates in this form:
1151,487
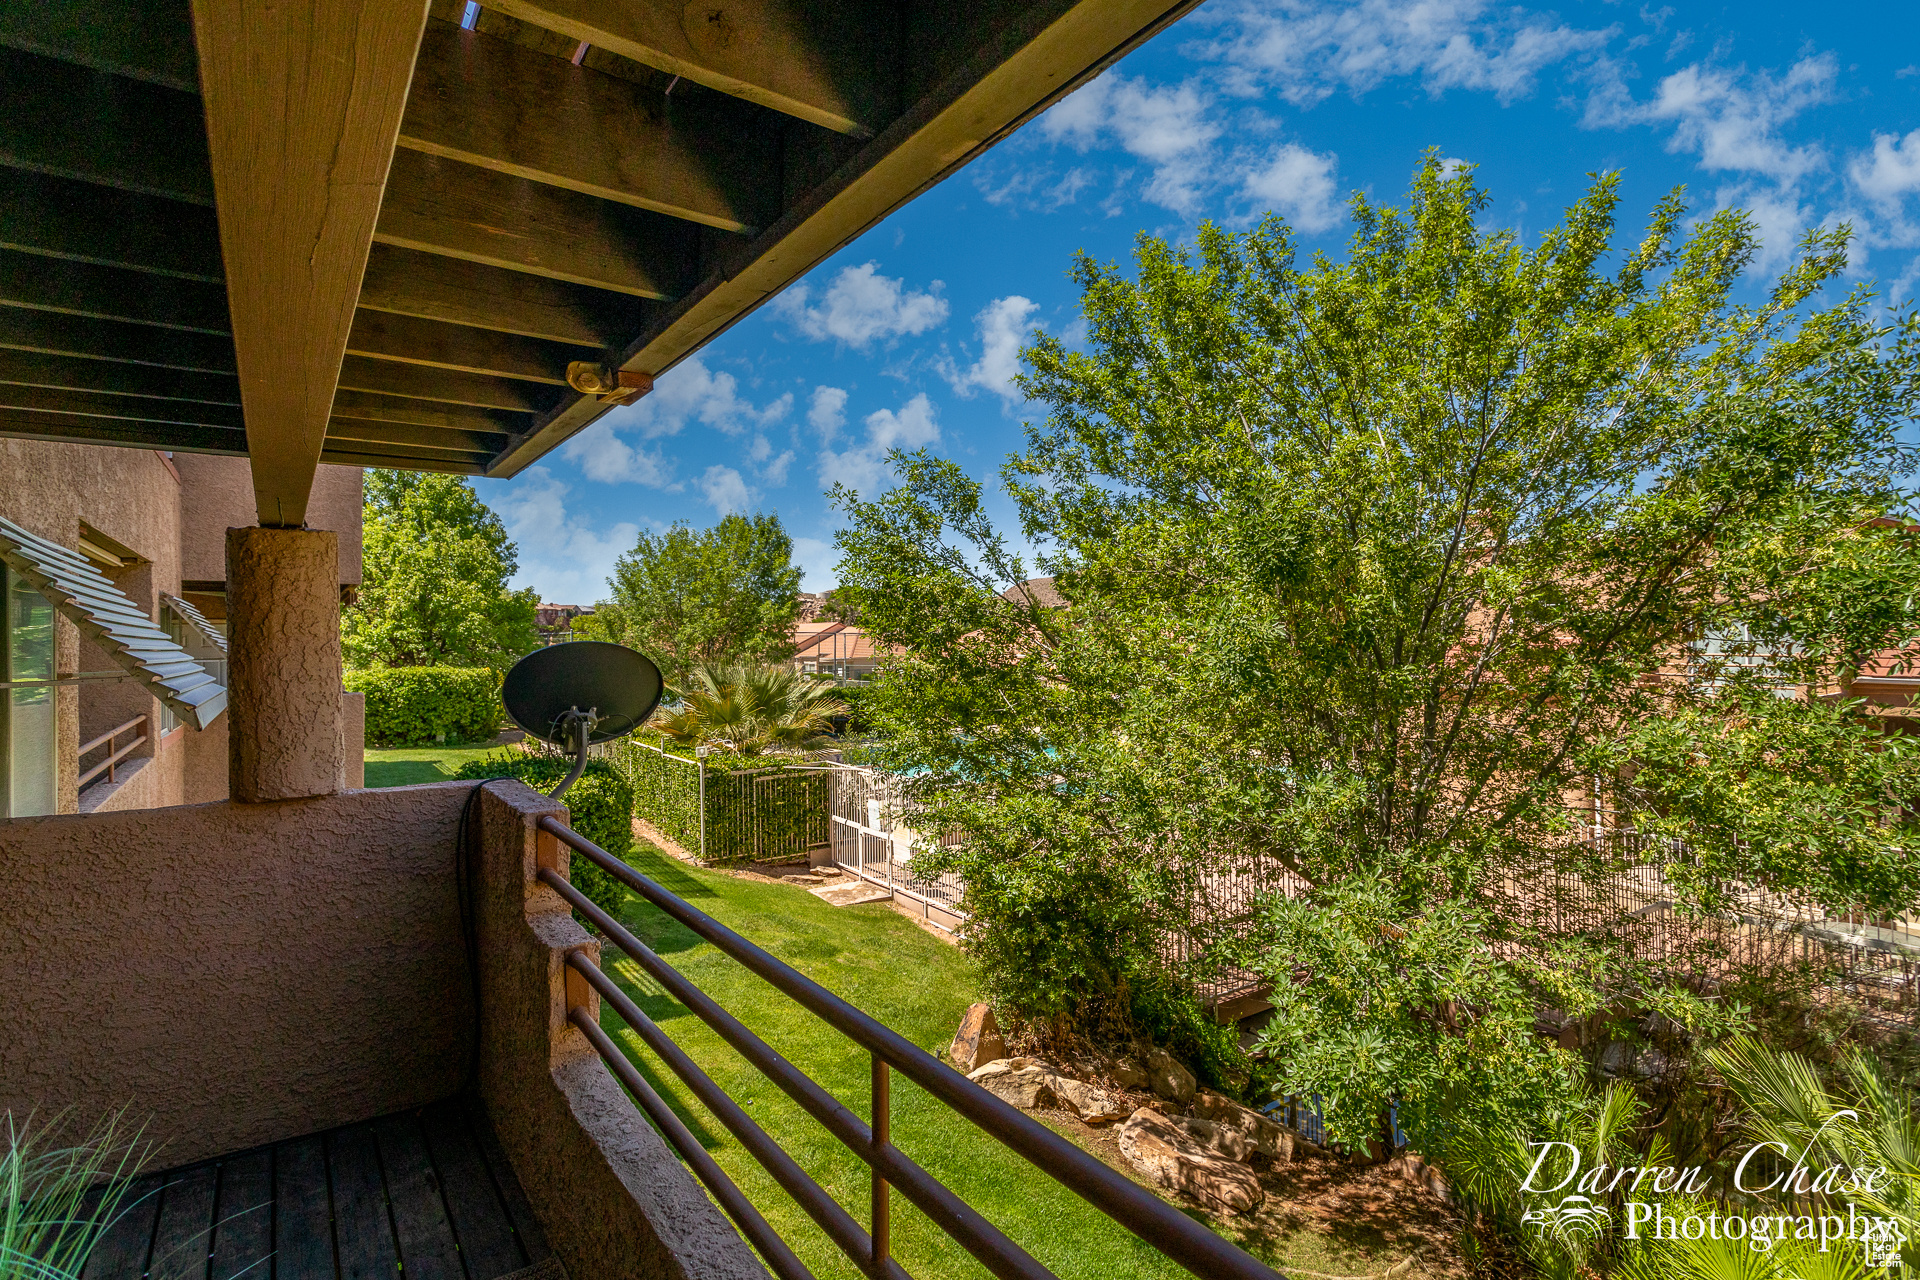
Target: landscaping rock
1165,1153
1263,1135
978,1041
1167,1076
1025,1082
1411,1168
1091,1103
1127,1073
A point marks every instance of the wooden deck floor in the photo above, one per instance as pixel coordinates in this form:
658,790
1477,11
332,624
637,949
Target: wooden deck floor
428,1192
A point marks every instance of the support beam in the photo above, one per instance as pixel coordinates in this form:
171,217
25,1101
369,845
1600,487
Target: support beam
460,210
66,335
21,424
447,289
111,293
492,103
350,457
283,661
411,340
822,61
148,40
61,218
70,373
357,373
66,120
303,102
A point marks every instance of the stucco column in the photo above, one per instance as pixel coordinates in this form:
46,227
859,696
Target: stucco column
283,663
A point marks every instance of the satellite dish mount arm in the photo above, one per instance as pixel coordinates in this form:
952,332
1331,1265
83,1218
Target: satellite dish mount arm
580,723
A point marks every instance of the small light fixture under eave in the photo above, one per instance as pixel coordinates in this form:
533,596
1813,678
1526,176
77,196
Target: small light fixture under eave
622,386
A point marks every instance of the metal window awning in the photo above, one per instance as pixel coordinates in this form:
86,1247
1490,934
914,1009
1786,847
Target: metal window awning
197,620
108,617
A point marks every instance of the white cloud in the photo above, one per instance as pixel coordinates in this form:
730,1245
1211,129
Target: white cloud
605,457
828,412
726,491
691,392
1002,326
1165,125
863,466
1730,118
819,563
862,307
567,561
1032,187
1891,172
1298,183
1308,50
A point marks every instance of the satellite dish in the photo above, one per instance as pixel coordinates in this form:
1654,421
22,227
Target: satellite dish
580,693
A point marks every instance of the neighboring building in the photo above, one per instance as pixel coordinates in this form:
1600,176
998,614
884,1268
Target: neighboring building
824,647
1040,591
554,622
99,715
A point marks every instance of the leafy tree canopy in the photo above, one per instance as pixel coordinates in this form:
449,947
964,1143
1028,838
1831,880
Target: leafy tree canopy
719,595
435,563
1373,567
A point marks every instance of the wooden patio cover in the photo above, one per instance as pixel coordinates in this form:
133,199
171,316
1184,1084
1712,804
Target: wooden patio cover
400,234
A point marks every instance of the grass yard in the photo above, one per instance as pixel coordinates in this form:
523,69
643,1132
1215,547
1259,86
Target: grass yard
406,766
919,986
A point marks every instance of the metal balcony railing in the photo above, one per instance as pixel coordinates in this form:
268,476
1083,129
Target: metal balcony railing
1154,1221
137,727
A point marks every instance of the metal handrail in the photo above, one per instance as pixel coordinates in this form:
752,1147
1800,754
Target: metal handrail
1184,1241
110,765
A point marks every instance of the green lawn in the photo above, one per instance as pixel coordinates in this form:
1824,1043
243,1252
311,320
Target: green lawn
405,766
916,984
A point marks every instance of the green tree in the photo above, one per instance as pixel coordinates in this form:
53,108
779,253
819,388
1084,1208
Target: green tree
435,564
719,595
1372,567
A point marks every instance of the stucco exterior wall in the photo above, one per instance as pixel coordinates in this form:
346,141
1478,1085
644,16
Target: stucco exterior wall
219,493
235,974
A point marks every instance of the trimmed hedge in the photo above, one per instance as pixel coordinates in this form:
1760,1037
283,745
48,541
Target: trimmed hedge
758,809
600,805
415,706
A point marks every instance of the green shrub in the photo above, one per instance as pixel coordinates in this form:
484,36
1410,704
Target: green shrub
600,804
412,706
758,808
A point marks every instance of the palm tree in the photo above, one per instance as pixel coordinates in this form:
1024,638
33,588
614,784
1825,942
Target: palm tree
751,709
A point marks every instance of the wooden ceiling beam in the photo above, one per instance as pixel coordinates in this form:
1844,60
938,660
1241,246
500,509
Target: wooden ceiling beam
149,40
39,369
411,340
303,104
371,407
114,341
22,424
404,434
347,454
443,206
455,291
78,123
493,103
62,218
125,408
823,61
111,293
358,373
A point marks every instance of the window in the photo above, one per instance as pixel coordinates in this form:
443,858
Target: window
29,724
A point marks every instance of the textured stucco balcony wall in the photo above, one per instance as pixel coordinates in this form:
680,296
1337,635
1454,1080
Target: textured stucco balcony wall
235,974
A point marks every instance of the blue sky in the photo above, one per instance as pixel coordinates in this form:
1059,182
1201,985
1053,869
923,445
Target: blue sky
1801,114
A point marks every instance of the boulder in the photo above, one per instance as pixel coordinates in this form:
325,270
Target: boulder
1167,1076
1091,1103
1025,1082
1127,1073
978,1041
1261,1134
1166,1154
